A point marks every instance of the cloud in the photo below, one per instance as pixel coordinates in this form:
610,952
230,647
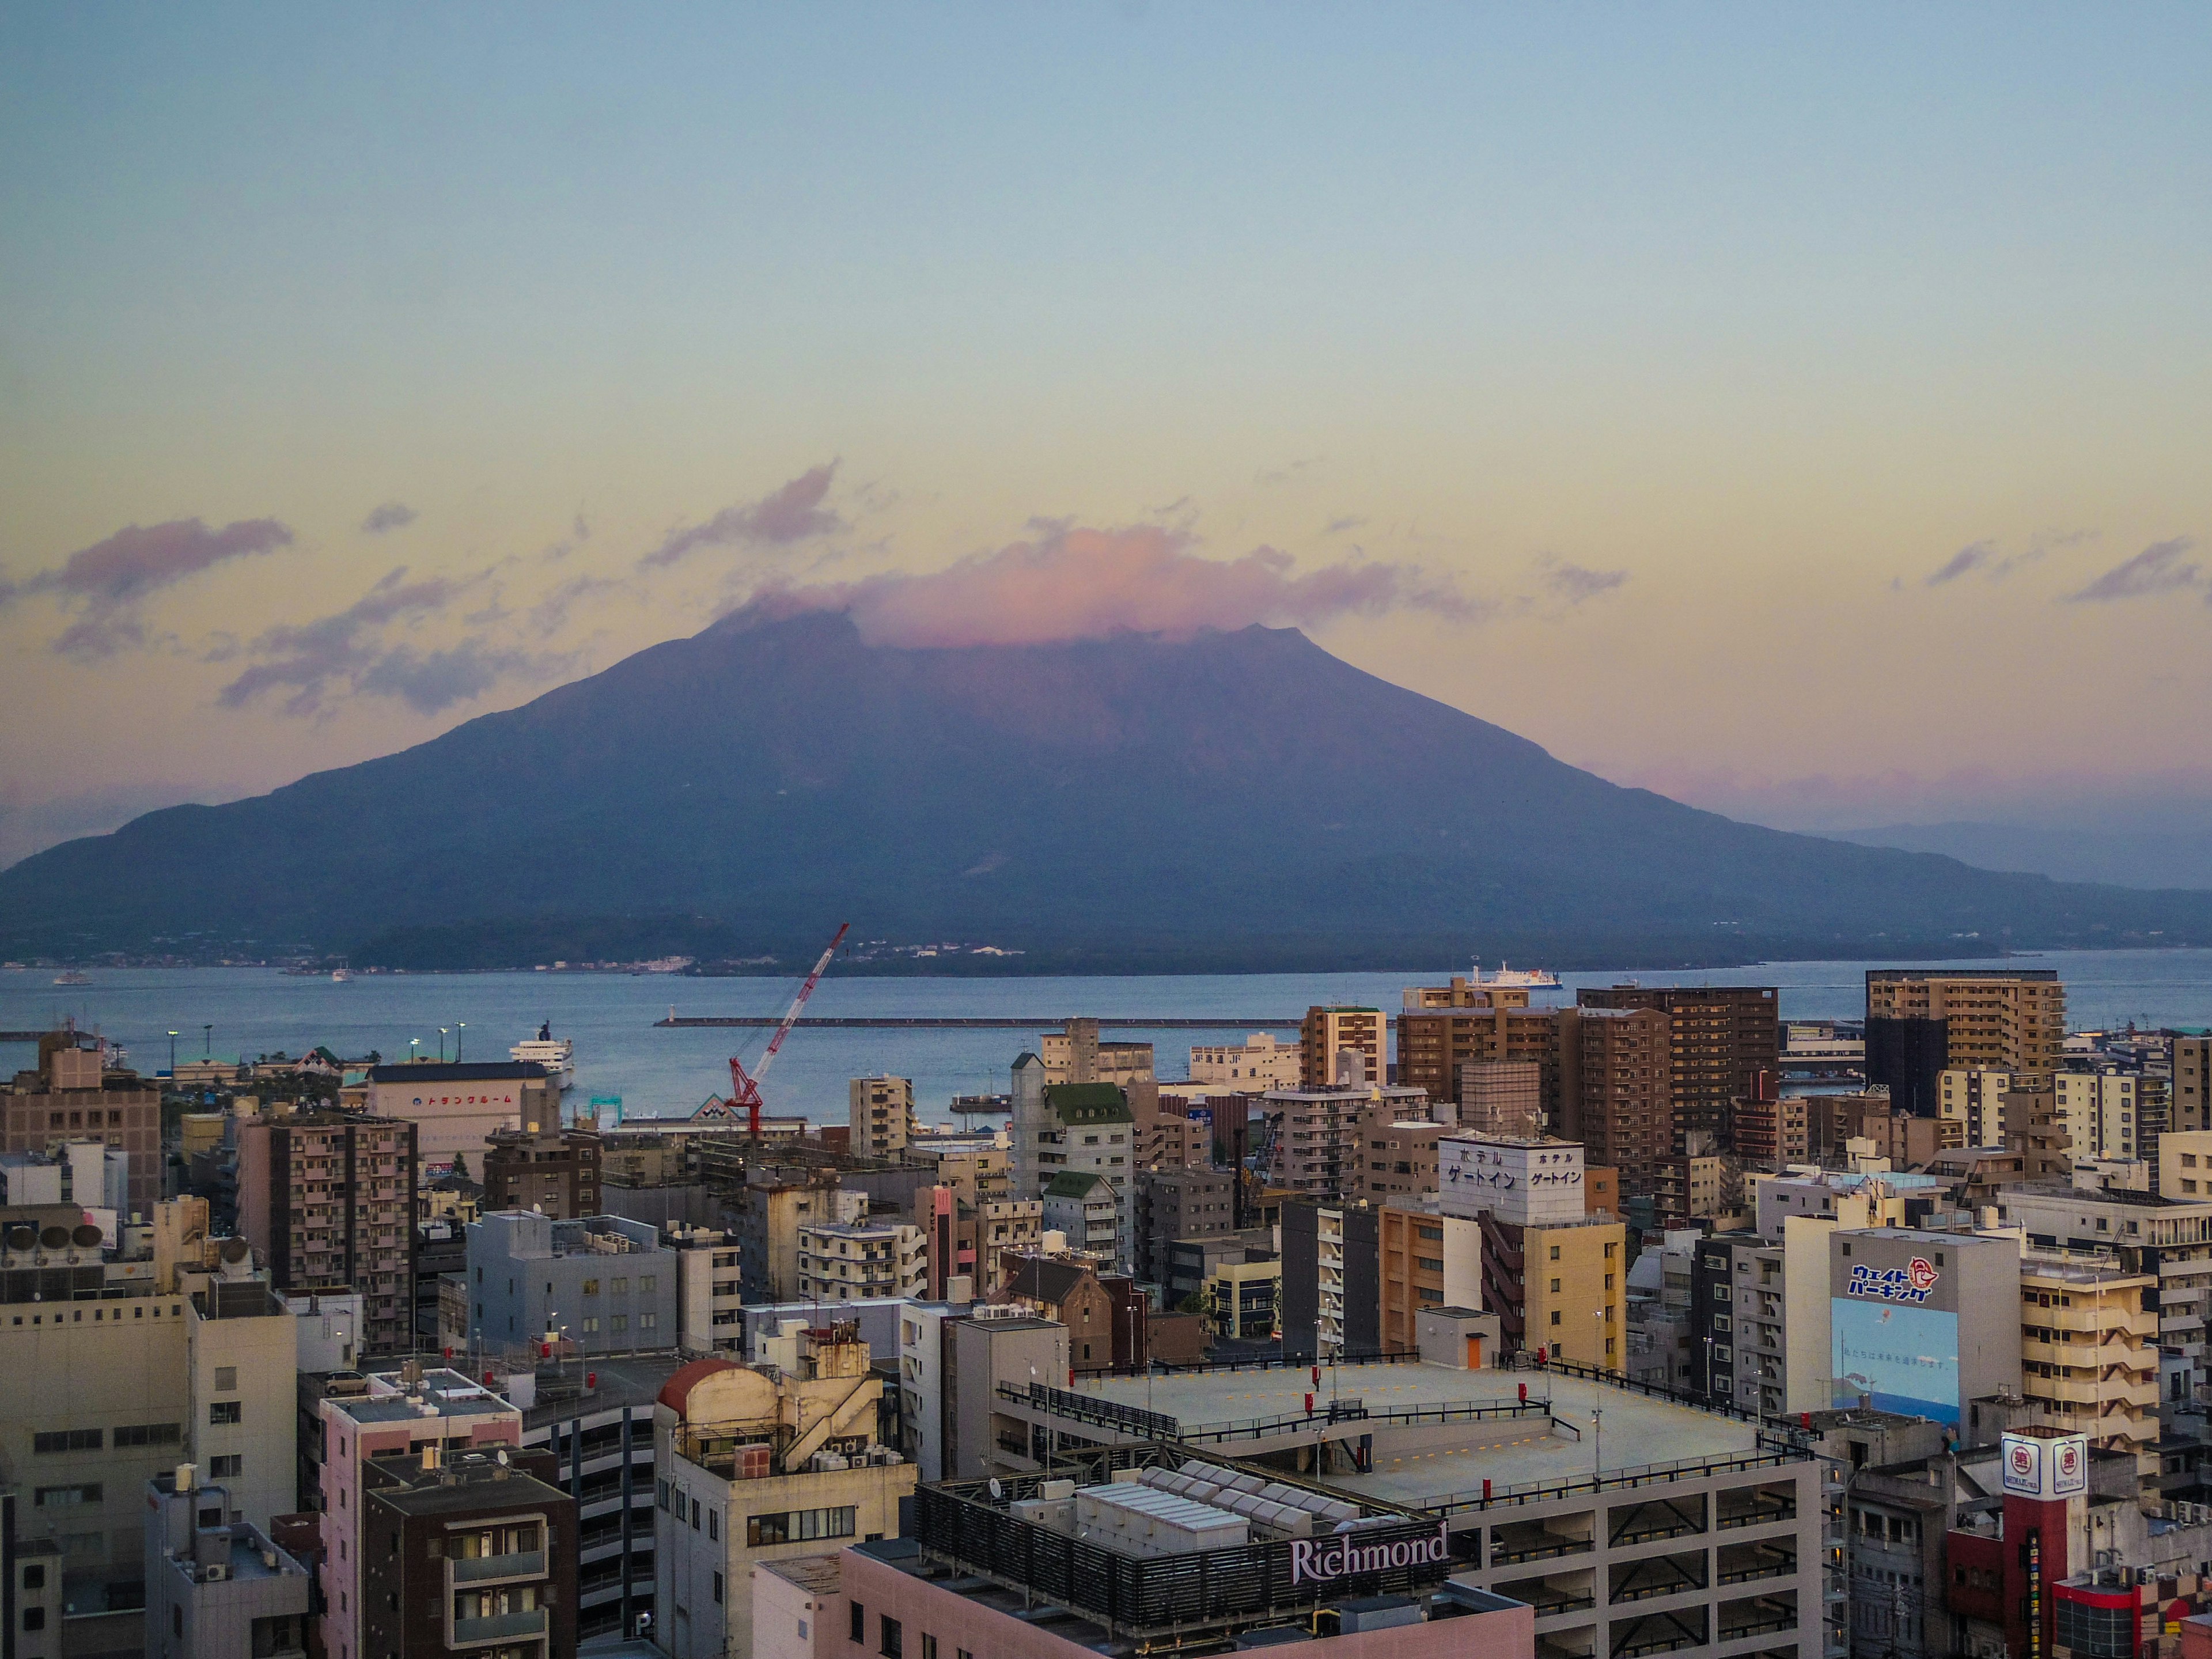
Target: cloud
1975,555
112,578
393,515
1574,583
783,516
429,681
1074,583
2158,568
306,657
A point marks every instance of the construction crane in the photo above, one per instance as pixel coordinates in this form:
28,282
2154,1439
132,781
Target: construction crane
745,1086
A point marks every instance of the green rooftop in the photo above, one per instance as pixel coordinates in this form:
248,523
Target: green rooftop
1089,1103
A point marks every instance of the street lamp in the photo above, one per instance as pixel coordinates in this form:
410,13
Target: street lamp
173,1056
459,1028
441,1045
1709,1370
413,1043
207,1032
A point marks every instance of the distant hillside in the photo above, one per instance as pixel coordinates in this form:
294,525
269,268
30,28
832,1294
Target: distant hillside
1238,799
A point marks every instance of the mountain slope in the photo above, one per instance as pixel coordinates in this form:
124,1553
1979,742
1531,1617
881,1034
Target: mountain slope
1237,798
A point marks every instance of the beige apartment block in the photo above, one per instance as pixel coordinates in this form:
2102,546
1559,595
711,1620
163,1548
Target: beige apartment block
2192,1077
2089,1352
1075,1054
1974,1100
1996,1022
1327,1032
880,1110
2185,1163
2101,1111
1252,1066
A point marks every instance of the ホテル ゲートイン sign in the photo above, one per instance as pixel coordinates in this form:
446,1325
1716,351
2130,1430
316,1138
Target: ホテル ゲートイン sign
1312,1561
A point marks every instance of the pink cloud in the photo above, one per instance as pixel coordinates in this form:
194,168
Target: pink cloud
1075,583
113,578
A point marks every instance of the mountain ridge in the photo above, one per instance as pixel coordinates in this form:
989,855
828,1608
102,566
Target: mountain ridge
1126,798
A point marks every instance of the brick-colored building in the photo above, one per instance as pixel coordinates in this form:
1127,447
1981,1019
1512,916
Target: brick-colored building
1436,1045
1614,1091
1396,1160
328,1200
556,1171
1327,1032
1720,1037
1410,1245
1179,1203
1987,1020
75,1094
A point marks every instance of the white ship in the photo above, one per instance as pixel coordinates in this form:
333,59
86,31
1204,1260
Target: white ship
72,977
555,1054
1515,979
341,975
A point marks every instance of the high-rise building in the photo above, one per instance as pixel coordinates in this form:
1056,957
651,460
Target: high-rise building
1501,1097
1991,1019
1720,1038
76,1095
1555,1274
2192,1080
1975,1100
1325,1033
1319,1133
2099,1109
1410,1242
1616,1099
1179,1204
553,1171
2070,1307
328,1200
1396,1155
1436,1045
1075,1128
880,1112
857,1261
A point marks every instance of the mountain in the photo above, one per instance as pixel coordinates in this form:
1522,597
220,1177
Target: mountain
1236,800
2148,848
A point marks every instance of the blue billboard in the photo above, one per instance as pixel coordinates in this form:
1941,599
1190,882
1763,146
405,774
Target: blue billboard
1907,1357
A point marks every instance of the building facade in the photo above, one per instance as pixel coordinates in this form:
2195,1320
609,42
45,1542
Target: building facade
328,1200
1615,1092
879,1112
75,1094
603,1284
1326,1033
458,1108
1720,1039
553,1171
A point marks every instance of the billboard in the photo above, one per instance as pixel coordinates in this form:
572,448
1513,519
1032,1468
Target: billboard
2045,1467
1903,1354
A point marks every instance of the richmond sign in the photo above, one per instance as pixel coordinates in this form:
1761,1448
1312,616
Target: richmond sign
1315,1562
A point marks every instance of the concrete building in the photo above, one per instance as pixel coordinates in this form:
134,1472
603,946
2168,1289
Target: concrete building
1075,1054
1253,1066
1438,1041
76,1094
709,1300
457,1108
2089,1352
1396,1155
1974,1100
1772,1132
1318,1135
1180,1204
2185,1163
771,1208
1501,1097
1246,1297
1075,1128
757,1468
847,1261
1327,1033
1922,1022
1716,1545
606,1284
1615,1092
553,1171
2144,1232
879,1112
2192,1083
328,1200
216,1588
1921,1323
2099,1109
1084,1210
1410,1246
388,1419
1721,1038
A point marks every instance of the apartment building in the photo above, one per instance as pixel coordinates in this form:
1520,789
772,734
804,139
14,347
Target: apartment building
1410,1247
478,1556
1326,1033
553,1171
1922,1022
1075,1128
1180,1204
1721,1038
1974,1100
1253,1066
709,1300
1320,1134
1615,1092
879,1111
2168,1239
1396,1159
855,1261
1772,1132
74,1095
2192,1083
738,1487
1437,1044
770,1209
2088,1353
456,1108
328,1200
2100,1112
1075,1054
1330,1303
604,1283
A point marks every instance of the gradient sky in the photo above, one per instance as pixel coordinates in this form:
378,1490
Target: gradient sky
1805,413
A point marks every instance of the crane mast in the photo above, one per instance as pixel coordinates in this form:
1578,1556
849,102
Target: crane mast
745,1086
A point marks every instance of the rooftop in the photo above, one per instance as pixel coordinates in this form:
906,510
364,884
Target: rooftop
817,1574
472,1481
441,1392
474,1071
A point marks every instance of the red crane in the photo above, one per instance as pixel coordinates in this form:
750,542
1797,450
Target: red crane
745,1086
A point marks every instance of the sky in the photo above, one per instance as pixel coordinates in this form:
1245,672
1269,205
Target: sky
1800,412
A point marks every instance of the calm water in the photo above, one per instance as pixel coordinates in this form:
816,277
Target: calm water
618,1052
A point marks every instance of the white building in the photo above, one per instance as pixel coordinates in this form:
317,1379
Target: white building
1253,1066
849,1260
2098,1110
709,1310
1075,1128
1975,1100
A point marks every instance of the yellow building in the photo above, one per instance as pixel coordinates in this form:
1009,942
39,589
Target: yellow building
2088,1351
880,1111
1974,1100
2185,1163
1327,1032
1562,1289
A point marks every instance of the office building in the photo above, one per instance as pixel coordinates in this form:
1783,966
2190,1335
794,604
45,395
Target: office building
879,1112
1716,1545
1921,1323
76,1094
216,1588
457,1108
1253,1066
1327,1033
1720,1039
1616,1099
369,1422
1437,1044
553,1171
1179,1204
739,1487
1922,1022
603,1284
1075,1054
328,1200
855,1261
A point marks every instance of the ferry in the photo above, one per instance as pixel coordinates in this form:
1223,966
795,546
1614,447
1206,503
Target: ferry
341,975
72,977
1515,978
555,1054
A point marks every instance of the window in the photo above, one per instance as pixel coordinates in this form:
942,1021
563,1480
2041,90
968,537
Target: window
928,1646
649,1284
225,1379
893,1637
617,1322
226,1467
715,1525
148,1434
226,1410
800,1526
70,1440
662,1487
647,1321
618,1287
718,1590
591,1287
1555,1316
859,1625
1555,1253
59,1497
34,1577
1555,1287
35,1618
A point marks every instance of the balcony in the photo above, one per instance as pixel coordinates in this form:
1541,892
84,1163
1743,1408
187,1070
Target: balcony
499,1627
497,1569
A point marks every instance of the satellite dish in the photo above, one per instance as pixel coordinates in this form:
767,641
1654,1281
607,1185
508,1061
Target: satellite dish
997,1491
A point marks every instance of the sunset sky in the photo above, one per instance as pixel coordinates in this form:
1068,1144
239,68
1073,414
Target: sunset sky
1807,413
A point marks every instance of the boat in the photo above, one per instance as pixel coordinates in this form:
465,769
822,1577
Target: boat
341,975
1517,978
72,977
555,1054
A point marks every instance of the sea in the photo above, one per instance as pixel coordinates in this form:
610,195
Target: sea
620,1055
